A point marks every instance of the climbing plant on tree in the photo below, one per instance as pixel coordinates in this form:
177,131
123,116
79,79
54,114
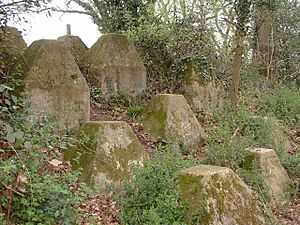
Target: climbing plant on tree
114,16
242,8
288,42
265,36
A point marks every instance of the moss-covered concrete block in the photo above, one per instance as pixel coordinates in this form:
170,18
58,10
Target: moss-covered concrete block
274,173
76,46
54,85
115,66
279,134
107,152
217,196
202,95
12,45
170,117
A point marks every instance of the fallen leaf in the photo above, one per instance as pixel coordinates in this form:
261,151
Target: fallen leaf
55,162
22,178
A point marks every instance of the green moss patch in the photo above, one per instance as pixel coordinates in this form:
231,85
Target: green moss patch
169,116
107,152
215,195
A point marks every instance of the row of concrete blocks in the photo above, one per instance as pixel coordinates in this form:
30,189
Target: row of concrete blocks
115,149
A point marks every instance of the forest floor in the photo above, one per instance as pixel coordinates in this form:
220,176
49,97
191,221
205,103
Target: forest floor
102,209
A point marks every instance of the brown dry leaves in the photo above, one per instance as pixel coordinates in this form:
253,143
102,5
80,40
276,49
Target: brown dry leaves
100,209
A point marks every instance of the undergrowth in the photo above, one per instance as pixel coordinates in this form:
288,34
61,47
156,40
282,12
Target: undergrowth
153,197
32,190
227,144
284,103
262,120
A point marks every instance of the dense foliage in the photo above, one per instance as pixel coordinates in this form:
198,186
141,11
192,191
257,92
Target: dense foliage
33,189
115,16
153,197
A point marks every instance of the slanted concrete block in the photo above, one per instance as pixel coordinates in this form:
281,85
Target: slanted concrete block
170,117
12,45
54,85
274,173
76,47
278,136
114,66
202,95
107,151
217,196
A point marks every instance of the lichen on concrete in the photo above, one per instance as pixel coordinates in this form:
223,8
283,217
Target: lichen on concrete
108,152
191,74
274,173
114,66
217,196
170,117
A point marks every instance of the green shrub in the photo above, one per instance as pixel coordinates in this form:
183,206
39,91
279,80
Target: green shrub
234,133
153,197
32,191
228,142
42,193
284,103
134,110
119,102
96,94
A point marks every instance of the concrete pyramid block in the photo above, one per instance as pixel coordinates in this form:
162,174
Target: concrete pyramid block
115,66
274,173
12,45
108,151
54,85
217,196
202,95
169,116
76,46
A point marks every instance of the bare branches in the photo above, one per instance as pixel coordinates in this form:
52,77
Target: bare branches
14,10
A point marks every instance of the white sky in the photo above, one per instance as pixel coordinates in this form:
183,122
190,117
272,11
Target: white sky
44,27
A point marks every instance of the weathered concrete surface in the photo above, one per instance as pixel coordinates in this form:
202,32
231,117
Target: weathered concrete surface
12,45
54,85
217,196
115,66
170,117
274,173
76,46
203,96
278,134
108,151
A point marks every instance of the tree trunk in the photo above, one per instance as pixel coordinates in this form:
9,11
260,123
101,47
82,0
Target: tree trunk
264,52
242,8
236,69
